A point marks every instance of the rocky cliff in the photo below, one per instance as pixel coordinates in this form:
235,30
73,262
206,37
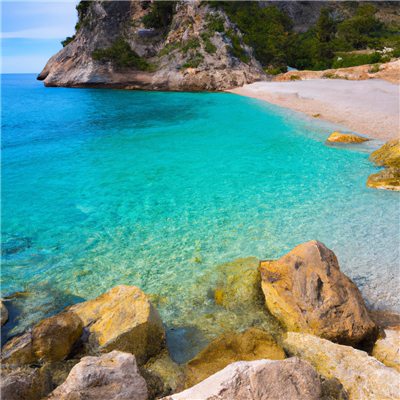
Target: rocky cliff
197,49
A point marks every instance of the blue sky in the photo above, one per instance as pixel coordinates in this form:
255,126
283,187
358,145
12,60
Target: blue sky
31,32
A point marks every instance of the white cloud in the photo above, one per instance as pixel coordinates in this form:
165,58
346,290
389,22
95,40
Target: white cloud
23,64
58,32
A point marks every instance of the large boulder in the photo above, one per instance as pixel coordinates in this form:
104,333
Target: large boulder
361,375
258,380
307,292
112,376
24,383
387,349
121,319
254,344
387,156
4,313
50,340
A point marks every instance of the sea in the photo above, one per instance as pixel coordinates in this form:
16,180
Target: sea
164,190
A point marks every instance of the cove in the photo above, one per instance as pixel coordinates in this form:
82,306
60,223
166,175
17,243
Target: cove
162,190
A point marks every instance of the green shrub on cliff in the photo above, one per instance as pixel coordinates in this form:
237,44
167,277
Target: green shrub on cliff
215,24
161,15
122,55
235,48
266,30
208,46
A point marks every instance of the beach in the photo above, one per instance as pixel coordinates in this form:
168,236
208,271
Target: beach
369,107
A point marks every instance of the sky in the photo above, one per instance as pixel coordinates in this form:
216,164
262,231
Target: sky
31,32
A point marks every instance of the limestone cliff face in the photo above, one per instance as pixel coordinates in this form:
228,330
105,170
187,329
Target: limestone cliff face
189,55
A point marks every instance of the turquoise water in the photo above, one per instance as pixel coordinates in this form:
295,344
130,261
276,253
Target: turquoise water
101,188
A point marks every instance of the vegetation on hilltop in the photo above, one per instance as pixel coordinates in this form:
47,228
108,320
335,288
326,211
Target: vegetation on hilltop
332,43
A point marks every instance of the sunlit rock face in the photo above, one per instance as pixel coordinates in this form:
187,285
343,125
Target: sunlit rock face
186,55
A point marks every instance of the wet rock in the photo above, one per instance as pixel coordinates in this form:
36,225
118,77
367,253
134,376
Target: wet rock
255,380
361,375
120,319
387,179
338,137
387,156
4,313
254,344
18,350
50,340
112,376
24,383
332,389
387,349
307,292
168,372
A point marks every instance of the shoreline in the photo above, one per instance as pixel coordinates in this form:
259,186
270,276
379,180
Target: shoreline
369,107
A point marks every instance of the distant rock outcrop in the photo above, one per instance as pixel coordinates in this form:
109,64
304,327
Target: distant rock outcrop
307,292
191,55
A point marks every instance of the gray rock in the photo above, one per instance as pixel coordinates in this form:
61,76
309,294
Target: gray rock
258,380
112,376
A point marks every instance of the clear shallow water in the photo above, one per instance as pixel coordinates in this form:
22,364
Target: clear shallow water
101,188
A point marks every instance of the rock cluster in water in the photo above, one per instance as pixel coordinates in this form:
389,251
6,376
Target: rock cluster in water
387,156
114,346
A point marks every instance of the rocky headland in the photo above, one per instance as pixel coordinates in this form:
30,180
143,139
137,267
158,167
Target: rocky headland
114,346
196,48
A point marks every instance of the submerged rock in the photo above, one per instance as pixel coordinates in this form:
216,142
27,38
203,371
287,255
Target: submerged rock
387,349
254,344
387,156
120,319
258,380
361,375
4,313
338,137
307,292
112,376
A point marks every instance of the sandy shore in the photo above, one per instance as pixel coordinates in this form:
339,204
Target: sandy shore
370,107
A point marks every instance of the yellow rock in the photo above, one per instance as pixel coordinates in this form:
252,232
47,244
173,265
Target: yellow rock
52,338
387,156
307,292
338,137
122,319
361,375
254,344
387,349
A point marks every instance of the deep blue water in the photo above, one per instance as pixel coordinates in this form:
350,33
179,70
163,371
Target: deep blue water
103,187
